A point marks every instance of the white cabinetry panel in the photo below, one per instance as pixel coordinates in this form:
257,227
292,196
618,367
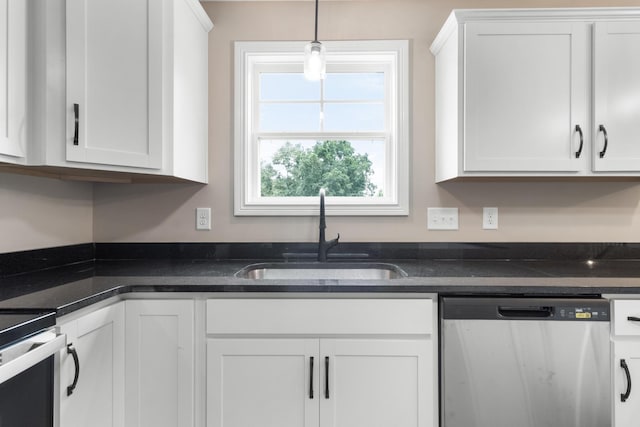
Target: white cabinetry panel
525,87
98,399
616,97
117,89
532,92
159,363
13,81
263,371
382,382
262,382
114,76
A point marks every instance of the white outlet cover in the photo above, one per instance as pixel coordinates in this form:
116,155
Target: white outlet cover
203,218
490,218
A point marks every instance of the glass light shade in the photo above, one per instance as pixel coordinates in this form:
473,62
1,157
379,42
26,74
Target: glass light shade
315,64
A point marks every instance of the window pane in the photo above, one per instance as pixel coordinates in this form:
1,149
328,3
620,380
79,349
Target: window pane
288,87
354,117
300,168
354,86
289,117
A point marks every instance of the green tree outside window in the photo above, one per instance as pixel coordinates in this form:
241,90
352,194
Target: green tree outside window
296,171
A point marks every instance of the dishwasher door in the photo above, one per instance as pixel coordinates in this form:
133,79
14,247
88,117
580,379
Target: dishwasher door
509,362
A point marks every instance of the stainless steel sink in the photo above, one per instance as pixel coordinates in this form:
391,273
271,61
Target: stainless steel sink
322,271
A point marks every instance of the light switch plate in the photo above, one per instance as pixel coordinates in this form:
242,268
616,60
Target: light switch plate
442,218
203,218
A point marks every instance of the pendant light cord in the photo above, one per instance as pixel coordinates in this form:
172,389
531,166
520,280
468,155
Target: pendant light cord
316,32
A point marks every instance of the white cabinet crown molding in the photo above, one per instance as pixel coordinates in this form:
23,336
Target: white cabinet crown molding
461,16
202,16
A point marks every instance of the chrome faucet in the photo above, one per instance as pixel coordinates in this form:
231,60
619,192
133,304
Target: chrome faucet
323,245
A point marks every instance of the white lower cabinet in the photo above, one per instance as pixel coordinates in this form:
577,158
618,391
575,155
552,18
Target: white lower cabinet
159,383
626,399
331,377
376,382
262,382
625,349
98,341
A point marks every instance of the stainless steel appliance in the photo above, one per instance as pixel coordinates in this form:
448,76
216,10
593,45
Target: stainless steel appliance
525,362
28,344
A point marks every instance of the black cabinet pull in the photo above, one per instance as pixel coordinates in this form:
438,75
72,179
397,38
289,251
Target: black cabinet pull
326,377
624,396
579,152
633,319
72,351
76,112
602,129
525,311
311,377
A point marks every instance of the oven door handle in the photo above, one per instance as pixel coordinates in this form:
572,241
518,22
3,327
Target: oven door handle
32,357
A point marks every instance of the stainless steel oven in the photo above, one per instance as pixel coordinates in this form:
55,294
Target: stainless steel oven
28,345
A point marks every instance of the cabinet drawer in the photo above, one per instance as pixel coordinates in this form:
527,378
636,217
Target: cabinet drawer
320,316
622,311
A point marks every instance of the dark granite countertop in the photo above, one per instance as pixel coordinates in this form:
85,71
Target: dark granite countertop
69,288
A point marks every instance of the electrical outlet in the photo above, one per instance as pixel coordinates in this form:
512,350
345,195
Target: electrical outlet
442,218
203,218
490,218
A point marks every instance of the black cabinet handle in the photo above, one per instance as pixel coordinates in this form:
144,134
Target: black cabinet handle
72,351
76,112
326,377
602,129
633,319
525,311
579,152
624,396
311,377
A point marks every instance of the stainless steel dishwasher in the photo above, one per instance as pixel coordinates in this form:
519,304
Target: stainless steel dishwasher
525,362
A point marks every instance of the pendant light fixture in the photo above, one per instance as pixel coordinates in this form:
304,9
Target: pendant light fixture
315,64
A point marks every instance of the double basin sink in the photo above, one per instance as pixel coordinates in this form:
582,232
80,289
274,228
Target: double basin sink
321,271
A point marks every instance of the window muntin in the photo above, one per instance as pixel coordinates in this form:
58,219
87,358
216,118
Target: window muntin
362,101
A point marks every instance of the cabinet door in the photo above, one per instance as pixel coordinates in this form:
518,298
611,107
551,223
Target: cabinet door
114,77
616,96
262,382
159,363
526,88
13,78
626,359
97,400
377,383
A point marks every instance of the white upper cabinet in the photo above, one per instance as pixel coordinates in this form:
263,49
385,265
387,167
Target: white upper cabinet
524,86
616,96
13,81
514,92
114,82
121,86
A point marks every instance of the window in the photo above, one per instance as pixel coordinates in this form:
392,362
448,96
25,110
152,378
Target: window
348,133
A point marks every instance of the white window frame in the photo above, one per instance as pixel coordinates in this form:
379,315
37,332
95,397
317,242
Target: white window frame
250,57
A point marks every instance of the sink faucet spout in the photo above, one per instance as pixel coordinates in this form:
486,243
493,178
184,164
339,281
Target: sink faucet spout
323,245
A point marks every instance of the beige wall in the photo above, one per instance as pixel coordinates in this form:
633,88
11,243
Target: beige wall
40,212
529,211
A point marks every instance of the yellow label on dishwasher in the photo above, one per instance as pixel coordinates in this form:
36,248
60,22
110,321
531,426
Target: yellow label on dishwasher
583,315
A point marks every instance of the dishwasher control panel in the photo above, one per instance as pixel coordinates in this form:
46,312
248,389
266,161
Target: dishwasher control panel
583,312
505,308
